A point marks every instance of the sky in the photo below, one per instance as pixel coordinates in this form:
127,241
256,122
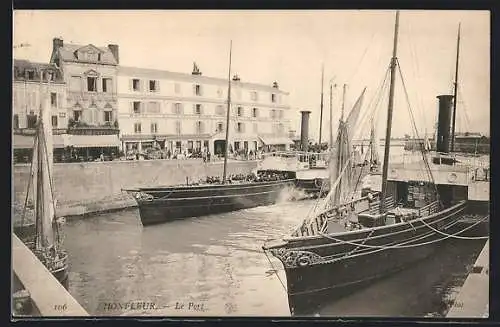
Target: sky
291,47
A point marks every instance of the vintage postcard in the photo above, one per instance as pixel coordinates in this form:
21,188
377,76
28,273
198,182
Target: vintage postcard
330,163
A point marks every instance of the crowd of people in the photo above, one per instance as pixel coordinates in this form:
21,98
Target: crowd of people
260,176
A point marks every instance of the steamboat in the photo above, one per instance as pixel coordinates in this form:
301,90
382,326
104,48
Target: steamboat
213,195
352,241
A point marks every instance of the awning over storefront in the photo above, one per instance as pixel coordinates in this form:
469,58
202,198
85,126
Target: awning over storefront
26,141
94,141
268,140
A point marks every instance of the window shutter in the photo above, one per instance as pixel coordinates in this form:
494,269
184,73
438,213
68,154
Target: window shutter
201,109
201,90
131,84
194,89
194,108
132,107
157,85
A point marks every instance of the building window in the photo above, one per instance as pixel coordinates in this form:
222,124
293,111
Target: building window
106,85
281,114
54,121
197,109
31,75
77,114
31,120
177,108
178,126
198,145
16,121
154,128
219,128
137,107
199,127
240,111
53,99
255,112
177,88
137,128
154,86
108,116
255,128
240,127
50,76
254,96
197,89
219,110
273,97
92,84
136,84
219,92
273,113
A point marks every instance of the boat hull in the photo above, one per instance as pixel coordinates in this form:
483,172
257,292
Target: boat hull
323,269
163,205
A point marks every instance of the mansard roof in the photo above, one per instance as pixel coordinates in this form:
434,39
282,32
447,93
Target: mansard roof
21,68
68,53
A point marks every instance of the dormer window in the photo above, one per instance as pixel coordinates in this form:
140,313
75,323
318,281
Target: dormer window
30,75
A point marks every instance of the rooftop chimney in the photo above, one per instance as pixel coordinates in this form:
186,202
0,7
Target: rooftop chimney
444,123
115,51
275,85
304,130
236,78
196,69
57,43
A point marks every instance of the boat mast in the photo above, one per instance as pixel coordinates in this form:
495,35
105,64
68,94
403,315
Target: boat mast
331,116
228,113
389,115
455,93
39,206
343,102
321,105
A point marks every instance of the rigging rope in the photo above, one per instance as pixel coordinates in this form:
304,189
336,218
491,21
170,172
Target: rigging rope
401,245
30,180
424,156
276,271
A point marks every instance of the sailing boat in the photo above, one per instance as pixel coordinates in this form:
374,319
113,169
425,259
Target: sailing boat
43,236
353,242
162,204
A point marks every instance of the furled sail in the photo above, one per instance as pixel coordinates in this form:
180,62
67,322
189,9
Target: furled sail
374,155
341,155
43,154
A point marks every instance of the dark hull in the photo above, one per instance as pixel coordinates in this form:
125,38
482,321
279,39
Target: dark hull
166,204
323,269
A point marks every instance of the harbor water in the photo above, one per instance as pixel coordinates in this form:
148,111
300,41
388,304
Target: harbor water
214,266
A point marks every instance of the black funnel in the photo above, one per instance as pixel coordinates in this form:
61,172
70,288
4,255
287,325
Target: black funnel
444,123
304,130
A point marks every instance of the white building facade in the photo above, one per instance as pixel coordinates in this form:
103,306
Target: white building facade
187,112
